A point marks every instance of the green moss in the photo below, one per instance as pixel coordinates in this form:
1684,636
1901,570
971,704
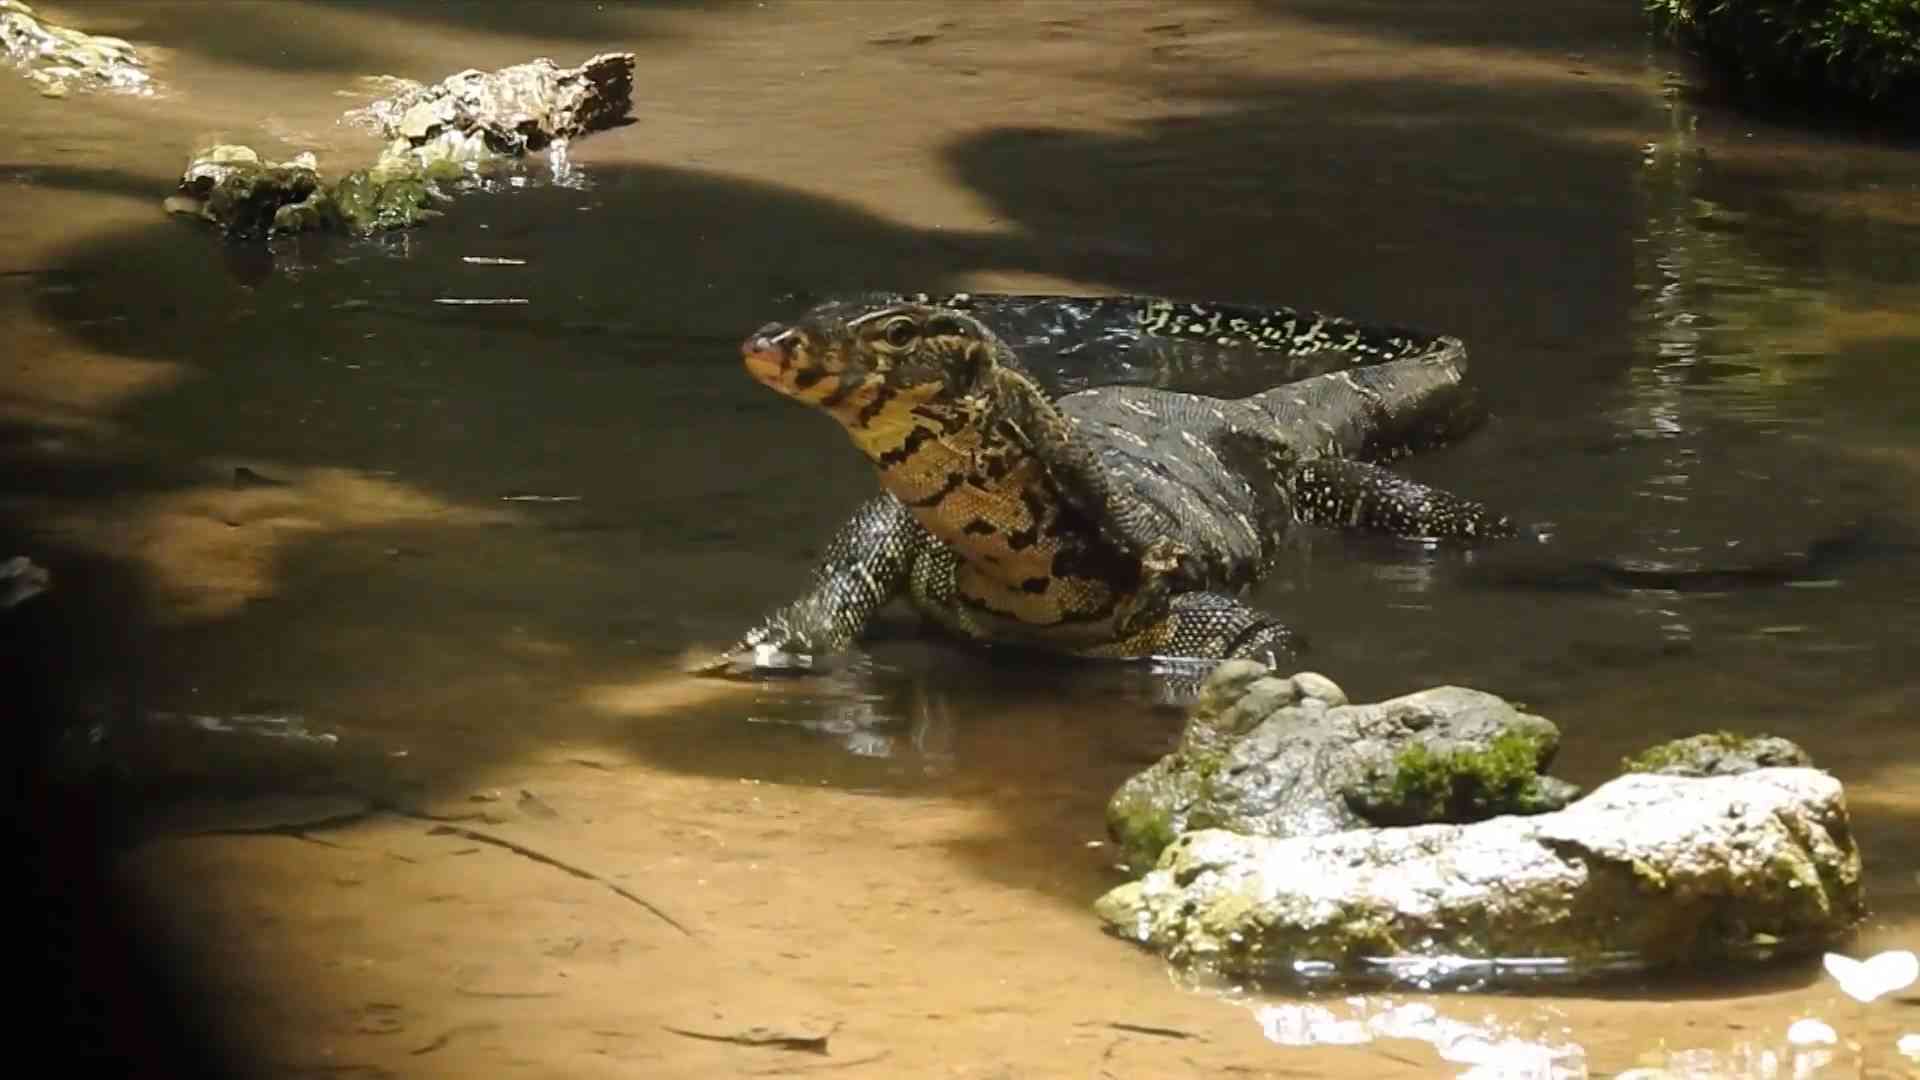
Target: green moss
370,202
1715,753
1678,752
1143,830
1860,52
1470,785
1155,807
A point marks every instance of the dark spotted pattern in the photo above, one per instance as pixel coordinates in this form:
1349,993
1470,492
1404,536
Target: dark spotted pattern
1116,521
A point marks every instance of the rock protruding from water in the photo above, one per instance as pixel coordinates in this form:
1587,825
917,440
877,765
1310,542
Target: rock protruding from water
1722,753
1273,756
446,133
250,197
60,59
511,111
1648,871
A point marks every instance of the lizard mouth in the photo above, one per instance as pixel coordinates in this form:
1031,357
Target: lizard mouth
769,353
773,355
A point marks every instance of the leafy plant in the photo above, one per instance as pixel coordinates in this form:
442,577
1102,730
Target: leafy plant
1863,52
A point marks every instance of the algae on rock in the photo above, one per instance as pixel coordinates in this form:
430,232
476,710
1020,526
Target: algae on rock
1720,753
1271,756
1647,871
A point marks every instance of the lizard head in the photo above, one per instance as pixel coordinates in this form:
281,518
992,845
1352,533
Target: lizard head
870,366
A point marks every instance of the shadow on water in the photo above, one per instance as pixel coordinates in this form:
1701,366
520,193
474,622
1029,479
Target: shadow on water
1398,200
369,37
1549,31
593,24
78,178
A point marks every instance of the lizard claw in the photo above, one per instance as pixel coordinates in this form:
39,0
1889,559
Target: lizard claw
756,660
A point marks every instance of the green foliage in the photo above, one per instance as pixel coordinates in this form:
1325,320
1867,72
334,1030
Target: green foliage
1862,52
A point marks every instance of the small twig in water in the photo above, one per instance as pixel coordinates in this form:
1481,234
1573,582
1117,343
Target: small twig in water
1149,1029
759,1036
445,1037
298,830
548,860
439,1041
789,1070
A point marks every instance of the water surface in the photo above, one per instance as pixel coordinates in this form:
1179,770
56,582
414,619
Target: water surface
1695,333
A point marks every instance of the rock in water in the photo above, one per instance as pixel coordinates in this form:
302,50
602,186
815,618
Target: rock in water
233,187
1271,756
59,58
514,110
446,132
1722,753
21,579
1648,871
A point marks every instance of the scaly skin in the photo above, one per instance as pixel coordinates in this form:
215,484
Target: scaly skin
1113,522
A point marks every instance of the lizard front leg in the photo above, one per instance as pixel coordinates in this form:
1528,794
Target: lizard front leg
866,565
1025,415
1208,626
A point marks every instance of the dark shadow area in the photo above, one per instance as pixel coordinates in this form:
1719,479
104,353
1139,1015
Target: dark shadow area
307,35
1567,31
80,178
601,24
105,999
1429,204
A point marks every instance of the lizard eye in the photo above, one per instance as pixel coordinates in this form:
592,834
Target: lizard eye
901,333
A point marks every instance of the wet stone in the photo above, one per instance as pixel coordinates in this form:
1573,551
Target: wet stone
441,134
60,59
1271,756
1722,753
1646,872
511,111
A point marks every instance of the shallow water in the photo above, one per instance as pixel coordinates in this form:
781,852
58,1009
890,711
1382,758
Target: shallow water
1696,334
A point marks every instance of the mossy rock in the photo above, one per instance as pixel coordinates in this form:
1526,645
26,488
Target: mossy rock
372,201
1647,872
1719,753
1466,783
1270,756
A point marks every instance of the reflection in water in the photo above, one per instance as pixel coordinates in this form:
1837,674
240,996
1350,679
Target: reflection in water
1483,1044
913,722
1486,1047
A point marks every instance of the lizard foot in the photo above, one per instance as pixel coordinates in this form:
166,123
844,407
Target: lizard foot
757,661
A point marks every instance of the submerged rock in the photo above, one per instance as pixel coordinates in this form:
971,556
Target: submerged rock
1277,757
1648,871
1722,753
21,579
59,58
